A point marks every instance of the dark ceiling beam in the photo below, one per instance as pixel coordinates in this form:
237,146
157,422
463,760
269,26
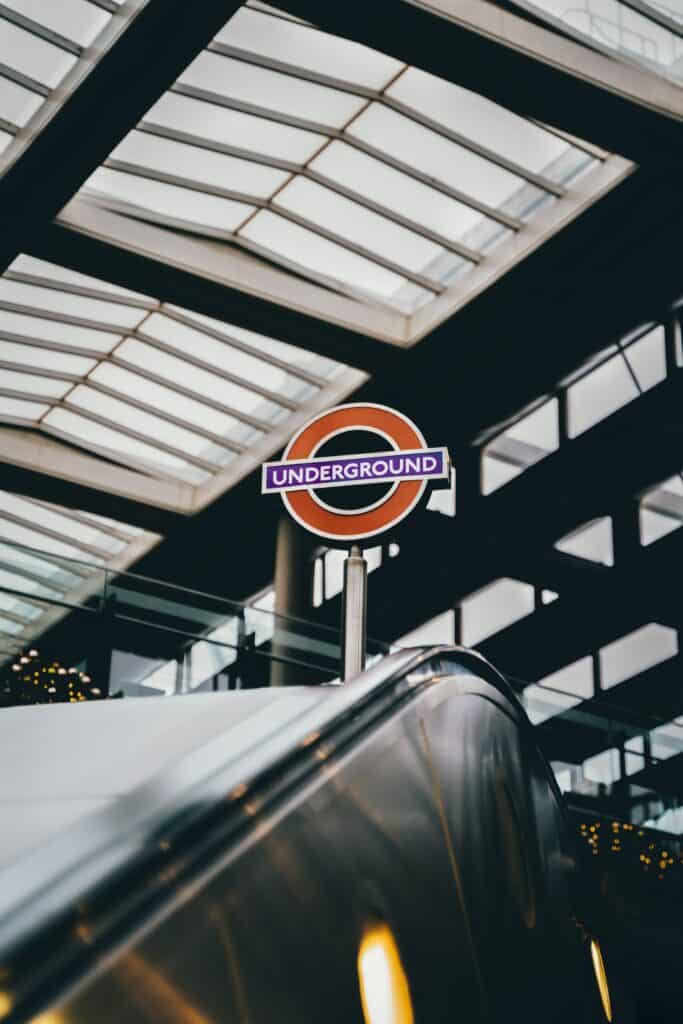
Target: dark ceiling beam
633,707
512,531
643,590
522,66
156,47
180,286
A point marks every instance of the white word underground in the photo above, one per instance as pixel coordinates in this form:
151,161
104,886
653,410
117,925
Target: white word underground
347,470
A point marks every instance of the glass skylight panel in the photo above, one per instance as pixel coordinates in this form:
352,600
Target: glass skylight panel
44,359
56,574
41,515
90,434
111,314
636,652
32,56
494,607
398,192
173,204
17,104
661,510
593,541
617,27
528,440
5,140
615,383
308,48
15,581
263,88
31,538
75,19
234,128
155,429
489,125
435,156
220,354
542,704
199,165
193,411
71,335
200,381
32,384
362,227
310,251
29,265
18,408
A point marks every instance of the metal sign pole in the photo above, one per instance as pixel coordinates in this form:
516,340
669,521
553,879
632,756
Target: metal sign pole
354,613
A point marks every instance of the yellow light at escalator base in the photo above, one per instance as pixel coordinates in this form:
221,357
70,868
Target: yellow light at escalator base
601,978
384,990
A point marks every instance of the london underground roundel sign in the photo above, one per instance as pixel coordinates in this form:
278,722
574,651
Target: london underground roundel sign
407,467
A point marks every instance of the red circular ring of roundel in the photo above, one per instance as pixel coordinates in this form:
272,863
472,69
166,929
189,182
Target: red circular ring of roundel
403,434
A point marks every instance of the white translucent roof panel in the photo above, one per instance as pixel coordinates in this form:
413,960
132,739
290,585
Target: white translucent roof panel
661,510
305,47
32,56
339,162
636,652
213,169
17,104
77,20
173,395
617,28
54,553
593,541
220,125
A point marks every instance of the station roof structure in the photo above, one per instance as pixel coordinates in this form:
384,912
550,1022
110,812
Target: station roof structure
218,219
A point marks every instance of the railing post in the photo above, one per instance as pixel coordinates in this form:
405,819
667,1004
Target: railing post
354,613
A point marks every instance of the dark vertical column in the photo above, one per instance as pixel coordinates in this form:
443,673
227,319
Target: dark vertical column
293,590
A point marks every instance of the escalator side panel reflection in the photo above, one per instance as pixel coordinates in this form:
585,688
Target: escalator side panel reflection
429,826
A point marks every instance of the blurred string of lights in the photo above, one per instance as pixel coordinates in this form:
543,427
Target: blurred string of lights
653,854
31,680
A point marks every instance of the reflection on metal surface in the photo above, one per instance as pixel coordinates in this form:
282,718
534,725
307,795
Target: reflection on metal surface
516,859
384,990
5,1005
455,867
156,996
601,978
221,925
50,1017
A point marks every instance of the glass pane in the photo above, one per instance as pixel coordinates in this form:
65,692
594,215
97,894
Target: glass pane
611,385
51,330
31,384
593,542
494,607
486,123
67,304
24,264
144,423
32,539
617,27
312,252
434,155
18,408
42,516
636,652
85,432
374,180
75,19
365,228
27,355
17,105
233,128
168,201
296,357
195,412
194,342
308,48
34,57
15,581
198,380
57,575
200,165
271,90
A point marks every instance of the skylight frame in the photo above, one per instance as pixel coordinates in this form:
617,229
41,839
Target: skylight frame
54,97
411,323
250,435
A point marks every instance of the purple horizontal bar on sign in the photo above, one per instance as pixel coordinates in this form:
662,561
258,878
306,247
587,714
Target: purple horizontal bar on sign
351,470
